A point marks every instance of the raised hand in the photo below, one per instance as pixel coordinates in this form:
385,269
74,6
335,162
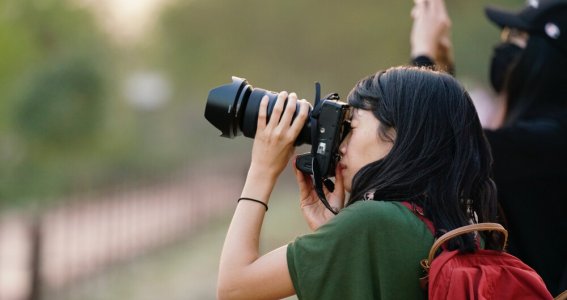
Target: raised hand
431,32
274,140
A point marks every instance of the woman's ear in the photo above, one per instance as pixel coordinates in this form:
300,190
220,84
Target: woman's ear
387,134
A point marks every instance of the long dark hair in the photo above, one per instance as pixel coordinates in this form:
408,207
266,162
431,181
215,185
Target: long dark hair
538,81
440,158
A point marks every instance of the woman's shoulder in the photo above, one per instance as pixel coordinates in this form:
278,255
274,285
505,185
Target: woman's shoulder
376,206
370,248
382,220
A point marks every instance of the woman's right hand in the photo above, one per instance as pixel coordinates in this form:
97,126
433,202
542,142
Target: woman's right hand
430,33
314,212
274,140
273,144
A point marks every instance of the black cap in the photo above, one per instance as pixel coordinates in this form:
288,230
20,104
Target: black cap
546,18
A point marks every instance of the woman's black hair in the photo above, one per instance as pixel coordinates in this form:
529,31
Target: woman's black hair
440,158
538,81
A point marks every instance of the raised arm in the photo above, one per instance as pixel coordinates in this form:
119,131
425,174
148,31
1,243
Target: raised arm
243,273
431,33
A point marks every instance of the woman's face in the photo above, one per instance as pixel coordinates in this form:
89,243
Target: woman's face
362,145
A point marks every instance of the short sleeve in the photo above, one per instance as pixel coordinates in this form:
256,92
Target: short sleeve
371,250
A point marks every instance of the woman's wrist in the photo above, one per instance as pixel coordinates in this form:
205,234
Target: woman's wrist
422,61
428,51
253,200
259,185
262,172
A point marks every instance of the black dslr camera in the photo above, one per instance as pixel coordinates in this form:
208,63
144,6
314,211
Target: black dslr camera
233,109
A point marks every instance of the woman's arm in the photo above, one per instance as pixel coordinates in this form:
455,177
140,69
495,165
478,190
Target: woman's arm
243,273
431,46
430,33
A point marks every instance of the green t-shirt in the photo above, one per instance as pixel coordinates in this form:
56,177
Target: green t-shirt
370,250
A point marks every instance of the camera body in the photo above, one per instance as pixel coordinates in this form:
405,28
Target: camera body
233,109
330,123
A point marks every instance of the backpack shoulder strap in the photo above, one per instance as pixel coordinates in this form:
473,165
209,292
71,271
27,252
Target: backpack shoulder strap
562,296
440,242
464,230
418,211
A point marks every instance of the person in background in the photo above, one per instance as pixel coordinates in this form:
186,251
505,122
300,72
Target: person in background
529,73
415,137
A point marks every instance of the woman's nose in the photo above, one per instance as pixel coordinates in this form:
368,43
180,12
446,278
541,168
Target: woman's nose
343,145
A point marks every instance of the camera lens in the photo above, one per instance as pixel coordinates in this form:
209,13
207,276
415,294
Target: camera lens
233,109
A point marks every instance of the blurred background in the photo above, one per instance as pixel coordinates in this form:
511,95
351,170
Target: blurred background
112,183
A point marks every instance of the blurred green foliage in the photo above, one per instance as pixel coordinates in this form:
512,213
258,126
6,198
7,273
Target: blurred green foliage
66,124
61,107
52,93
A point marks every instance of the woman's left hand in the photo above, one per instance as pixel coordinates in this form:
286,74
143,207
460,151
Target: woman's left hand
314,212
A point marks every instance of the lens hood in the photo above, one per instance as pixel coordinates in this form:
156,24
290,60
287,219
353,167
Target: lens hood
223,106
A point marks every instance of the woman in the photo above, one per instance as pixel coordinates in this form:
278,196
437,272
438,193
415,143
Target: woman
529,142
415,137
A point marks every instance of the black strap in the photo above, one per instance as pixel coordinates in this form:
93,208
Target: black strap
427,62
423,61
319,180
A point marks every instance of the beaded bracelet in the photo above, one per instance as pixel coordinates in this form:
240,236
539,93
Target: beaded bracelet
254,200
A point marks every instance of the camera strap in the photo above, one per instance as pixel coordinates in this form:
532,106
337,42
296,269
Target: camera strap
318,179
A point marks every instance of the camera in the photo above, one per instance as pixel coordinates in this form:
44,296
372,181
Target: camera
233,109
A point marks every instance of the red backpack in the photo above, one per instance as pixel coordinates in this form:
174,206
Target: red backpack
484,274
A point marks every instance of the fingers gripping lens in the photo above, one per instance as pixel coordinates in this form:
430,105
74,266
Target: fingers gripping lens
233,109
